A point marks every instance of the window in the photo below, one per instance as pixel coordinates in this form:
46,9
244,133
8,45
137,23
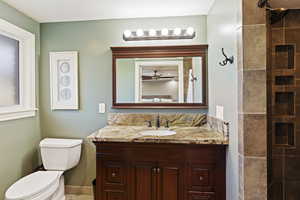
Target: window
17,72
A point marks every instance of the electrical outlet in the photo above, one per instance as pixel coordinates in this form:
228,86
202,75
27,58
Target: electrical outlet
101,107
220,112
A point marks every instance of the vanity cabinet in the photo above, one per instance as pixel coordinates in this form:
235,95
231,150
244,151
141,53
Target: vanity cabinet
135,171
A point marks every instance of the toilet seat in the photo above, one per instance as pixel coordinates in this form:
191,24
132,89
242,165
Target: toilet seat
37,184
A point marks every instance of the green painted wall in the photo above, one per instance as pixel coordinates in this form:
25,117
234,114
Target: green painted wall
19,138
222,23
93,40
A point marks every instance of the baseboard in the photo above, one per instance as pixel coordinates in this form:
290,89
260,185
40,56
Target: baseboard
78,190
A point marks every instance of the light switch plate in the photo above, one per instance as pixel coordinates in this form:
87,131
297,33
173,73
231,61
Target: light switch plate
101,107
220,112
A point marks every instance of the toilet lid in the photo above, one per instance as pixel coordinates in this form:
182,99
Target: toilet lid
32,184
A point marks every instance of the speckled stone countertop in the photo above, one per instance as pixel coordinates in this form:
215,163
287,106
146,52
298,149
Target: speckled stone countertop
184,135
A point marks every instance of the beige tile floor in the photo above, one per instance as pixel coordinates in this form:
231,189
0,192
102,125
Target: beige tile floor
78,197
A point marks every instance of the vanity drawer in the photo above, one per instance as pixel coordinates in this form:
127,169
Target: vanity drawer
201,177
192,195
110,153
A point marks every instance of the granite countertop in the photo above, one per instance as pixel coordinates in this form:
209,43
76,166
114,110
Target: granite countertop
184,135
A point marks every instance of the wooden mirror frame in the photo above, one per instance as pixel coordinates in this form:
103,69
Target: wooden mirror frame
161,52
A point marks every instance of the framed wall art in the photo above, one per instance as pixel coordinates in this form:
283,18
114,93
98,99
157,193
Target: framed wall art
64,80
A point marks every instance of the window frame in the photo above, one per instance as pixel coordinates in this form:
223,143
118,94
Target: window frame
27,87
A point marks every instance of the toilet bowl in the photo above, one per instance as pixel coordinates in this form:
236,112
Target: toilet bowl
38,185
58,155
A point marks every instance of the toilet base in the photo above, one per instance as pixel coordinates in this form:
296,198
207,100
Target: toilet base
60,192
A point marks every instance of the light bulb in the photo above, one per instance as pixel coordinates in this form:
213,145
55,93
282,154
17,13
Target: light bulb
177,31
127,33
139,32
152,32
190,31
165,32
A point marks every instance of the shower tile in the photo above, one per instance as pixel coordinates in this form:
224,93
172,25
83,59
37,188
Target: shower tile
241,133
292,168
253,14
255,178
277,168
278,24
255,139
292,190
277,37
276,192
297,65
254,91
255,47
241,174
292,19
292,37
277,151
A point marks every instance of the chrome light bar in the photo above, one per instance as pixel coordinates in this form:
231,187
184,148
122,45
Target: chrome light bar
163,34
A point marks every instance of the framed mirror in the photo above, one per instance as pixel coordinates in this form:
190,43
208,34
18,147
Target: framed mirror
160,77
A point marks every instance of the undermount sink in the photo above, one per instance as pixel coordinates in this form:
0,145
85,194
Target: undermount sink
157,133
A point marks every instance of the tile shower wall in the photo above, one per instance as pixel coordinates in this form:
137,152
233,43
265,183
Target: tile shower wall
284,122
252,45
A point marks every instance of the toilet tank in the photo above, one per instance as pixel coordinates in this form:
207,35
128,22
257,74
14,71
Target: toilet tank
60,154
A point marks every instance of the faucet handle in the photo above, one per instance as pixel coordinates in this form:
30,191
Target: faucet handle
167,124
149,123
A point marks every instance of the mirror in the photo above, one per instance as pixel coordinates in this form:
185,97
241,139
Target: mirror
159,81
156,80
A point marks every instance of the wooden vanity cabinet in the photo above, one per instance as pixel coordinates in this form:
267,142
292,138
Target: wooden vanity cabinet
143,171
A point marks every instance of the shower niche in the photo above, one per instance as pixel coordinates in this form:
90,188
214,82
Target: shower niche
284,134
284,56
283,95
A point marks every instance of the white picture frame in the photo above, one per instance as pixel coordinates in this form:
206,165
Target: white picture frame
64,80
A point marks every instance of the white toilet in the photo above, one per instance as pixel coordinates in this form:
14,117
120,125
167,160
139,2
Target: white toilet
58,155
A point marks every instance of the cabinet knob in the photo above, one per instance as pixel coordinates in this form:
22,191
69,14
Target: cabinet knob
113,174
154,170
158,170
201,178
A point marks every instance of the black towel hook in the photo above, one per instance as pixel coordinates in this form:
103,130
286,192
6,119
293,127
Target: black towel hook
227,60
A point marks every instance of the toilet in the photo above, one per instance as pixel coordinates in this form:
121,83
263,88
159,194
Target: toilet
58,155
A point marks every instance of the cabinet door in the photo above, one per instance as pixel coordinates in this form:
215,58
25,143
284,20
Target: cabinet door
143,181
170,181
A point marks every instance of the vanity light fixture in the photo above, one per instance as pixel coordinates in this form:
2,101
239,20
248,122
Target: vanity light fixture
190,31
140,33
152,32
163,34
127,33
177,31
